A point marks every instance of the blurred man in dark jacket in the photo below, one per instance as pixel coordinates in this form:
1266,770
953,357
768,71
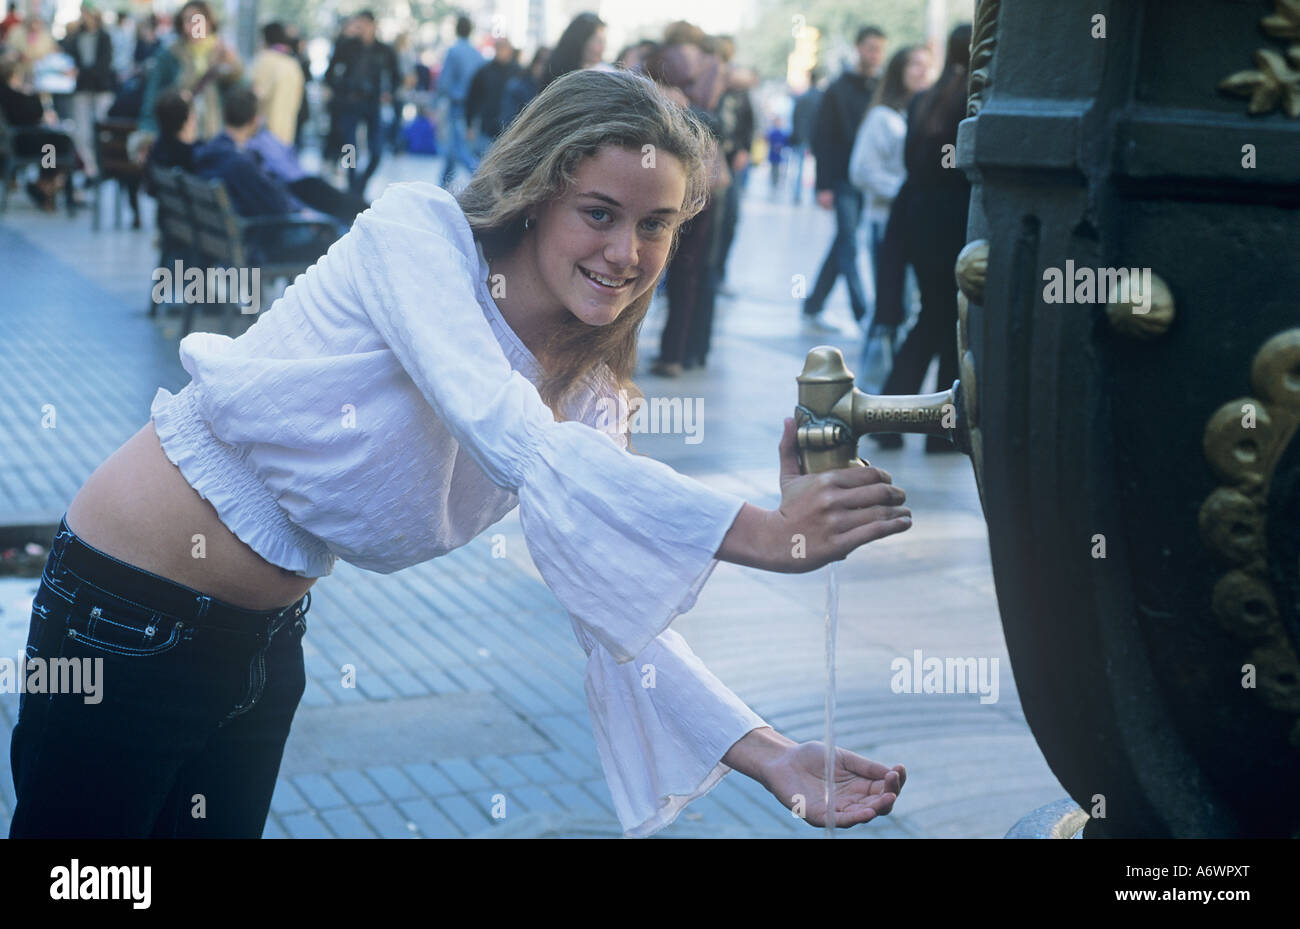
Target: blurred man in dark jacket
687,66
363,75
736,117
803,123
487,92
842,109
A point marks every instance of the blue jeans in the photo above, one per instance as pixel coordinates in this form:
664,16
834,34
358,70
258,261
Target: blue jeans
182,735
842,258
458,148
350,117
876,235
796,157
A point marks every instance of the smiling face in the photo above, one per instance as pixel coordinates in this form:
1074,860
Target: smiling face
602,245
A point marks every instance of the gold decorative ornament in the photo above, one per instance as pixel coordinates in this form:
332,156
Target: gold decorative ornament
1128,318
970,391
1284,23
971,268
1273,83
1270,84
983,42
1244,441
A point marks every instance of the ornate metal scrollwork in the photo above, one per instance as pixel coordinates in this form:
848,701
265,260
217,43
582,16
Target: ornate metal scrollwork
983,42
1244,441
969,388
1275,80
972,268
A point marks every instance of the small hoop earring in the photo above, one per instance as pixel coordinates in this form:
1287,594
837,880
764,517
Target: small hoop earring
528,223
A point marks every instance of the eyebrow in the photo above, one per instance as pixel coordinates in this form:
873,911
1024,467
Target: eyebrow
597,195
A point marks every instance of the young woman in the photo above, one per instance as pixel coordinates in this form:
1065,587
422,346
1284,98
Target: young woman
876,168
198,62
443,363
91,49
928,227
581,45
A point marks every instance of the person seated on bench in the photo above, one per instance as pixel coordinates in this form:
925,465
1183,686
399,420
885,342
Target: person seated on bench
281,162
178,130
254,192
25,111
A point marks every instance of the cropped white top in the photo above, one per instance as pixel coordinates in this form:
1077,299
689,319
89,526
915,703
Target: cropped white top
383,412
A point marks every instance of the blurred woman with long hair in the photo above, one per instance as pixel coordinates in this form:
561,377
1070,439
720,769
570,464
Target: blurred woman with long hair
876,167
932,209
581,45
198,64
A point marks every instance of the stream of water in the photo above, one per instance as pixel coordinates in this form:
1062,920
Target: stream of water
832,622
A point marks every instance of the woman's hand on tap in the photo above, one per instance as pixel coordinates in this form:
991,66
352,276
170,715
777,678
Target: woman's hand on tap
823,517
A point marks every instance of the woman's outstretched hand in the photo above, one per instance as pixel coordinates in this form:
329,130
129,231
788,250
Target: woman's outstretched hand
864,789
823,517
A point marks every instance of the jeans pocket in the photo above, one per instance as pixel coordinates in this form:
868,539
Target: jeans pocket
127,631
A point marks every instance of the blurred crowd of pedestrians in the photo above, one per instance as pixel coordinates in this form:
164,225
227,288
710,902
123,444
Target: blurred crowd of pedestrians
879,135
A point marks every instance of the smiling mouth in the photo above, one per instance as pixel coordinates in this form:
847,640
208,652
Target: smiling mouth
607,283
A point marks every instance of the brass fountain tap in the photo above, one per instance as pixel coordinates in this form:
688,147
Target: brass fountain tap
832,414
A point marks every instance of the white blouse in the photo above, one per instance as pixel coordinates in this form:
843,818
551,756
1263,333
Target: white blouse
382,411
876,165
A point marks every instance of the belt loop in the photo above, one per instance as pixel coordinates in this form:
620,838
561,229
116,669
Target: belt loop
59,545
56,555
204,602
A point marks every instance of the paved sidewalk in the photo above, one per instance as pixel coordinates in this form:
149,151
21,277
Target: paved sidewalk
468,678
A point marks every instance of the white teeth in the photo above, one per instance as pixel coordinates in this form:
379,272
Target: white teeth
607,281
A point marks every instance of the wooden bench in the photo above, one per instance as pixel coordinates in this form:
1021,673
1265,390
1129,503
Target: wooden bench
224,239
177,239
116,164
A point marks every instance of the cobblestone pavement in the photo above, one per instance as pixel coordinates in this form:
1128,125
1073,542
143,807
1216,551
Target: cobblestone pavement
468,678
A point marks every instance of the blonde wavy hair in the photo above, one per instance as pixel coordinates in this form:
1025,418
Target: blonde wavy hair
535,161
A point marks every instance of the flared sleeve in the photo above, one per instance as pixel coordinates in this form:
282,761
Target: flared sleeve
662,723
624,542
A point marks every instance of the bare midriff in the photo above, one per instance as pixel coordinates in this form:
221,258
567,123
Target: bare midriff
138,507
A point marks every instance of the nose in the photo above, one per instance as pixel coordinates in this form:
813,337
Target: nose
621,248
